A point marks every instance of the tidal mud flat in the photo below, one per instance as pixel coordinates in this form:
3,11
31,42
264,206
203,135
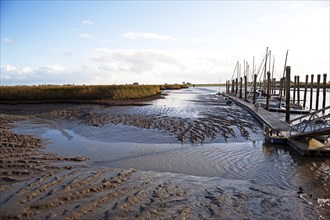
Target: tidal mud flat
223,183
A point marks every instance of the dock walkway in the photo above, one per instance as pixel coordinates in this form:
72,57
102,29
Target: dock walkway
263,115
305,146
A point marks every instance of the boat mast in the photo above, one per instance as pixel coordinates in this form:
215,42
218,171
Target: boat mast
265,71
274,83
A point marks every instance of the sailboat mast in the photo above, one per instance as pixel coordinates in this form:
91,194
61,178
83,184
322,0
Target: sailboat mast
274,83
265,70
286,58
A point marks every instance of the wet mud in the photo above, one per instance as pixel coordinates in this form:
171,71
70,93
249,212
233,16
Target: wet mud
213,123
235,182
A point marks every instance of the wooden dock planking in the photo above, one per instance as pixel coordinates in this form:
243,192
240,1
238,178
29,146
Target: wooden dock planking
263,115
305,146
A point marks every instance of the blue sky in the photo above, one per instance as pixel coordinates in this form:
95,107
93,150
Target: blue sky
152,42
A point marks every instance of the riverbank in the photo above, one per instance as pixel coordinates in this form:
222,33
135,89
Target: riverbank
76,94
137,167
55,187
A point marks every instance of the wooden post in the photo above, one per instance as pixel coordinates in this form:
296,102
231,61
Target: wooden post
228,86
294,89
273,80
232,87
311,93
305,93
240,88
268,91
298,90
284,88
318,91
236,91
280,92
254,88
245,87
287,100
324,91
281,86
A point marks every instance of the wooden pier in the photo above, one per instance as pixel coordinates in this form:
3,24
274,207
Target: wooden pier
308,146
313,138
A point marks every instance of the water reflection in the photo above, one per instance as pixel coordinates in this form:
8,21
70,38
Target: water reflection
148,149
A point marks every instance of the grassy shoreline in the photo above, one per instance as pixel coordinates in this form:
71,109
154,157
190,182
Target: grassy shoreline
76,93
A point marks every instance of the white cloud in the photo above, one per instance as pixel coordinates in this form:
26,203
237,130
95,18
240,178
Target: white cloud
83,35
121,66
145,35
8,40
157,66
51,74
155,36
67,54
87,22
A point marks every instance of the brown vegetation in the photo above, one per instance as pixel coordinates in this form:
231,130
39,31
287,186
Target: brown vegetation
100,92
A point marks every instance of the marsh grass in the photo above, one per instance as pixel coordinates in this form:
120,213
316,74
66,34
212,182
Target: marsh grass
97,92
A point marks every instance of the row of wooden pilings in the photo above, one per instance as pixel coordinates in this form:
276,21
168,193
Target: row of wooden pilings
235,88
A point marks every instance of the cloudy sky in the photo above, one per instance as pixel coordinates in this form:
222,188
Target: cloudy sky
153,42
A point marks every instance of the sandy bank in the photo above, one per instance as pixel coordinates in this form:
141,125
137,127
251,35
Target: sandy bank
39,185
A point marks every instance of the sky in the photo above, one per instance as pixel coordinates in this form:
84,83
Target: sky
157,42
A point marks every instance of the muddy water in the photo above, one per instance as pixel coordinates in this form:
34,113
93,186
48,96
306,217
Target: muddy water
122,143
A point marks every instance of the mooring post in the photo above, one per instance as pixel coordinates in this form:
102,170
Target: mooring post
254,88
324,91
280,91
298,90
287,99
228,86
281,86
294,89
311,93
245,87
305,93
284,88
240,88
318,91
268,91
236,92
232,87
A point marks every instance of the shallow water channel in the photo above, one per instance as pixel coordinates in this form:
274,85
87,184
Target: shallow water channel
151,149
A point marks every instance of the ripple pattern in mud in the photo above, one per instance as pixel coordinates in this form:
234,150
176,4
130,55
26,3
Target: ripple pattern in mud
220,123
130,194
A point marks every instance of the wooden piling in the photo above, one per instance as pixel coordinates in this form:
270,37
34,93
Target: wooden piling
240,87
298,90
318,91
287,99
228,86
236,91
280,90
245,87
232,87
305,93
281,86
268,91
294,89
311,93
324,91
254,88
